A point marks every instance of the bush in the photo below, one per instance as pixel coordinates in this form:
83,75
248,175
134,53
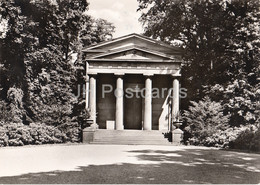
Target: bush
5,115
43,134
226,138
3,136
255,142
248,139
243,138
18,134
71,131
203,120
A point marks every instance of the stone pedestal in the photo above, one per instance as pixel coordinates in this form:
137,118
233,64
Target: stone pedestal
177,136
88,135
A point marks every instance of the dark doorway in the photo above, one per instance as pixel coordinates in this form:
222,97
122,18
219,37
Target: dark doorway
133,108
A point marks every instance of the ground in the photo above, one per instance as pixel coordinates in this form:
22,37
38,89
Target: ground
83,163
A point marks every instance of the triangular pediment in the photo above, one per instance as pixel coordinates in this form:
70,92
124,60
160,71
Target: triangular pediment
131,56
133,46
131,52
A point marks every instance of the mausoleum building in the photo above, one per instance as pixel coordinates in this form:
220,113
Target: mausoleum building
133,83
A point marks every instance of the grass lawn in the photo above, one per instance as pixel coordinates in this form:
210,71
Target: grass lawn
82,163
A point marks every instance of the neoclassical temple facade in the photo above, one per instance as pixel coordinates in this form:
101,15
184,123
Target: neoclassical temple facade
133,83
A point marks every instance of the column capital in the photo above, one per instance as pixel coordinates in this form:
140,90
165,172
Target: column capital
176,76
92,74
87,78
119,74
148,75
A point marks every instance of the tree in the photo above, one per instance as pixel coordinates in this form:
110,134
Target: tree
39,44
219,37
221,43
204,118
16,39
64,30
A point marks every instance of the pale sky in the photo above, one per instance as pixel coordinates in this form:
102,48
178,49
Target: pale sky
122,13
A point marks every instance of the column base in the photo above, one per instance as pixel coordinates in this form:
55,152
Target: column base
94,126
90,124
119,128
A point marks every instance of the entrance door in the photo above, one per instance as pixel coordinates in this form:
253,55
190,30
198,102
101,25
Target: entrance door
133,110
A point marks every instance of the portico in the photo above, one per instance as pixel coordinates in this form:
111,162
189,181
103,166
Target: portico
133,83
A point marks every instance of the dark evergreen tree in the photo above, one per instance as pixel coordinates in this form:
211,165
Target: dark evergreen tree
222,49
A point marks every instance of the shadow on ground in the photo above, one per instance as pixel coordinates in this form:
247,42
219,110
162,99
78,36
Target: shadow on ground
160,167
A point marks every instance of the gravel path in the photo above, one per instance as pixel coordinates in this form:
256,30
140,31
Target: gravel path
126,164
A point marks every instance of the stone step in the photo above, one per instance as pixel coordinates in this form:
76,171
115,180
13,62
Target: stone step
126,135
130,139
135,137
126,140
131,143
128,132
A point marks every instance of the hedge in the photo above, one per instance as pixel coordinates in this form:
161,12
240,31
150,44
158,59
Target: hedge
243,138
18,134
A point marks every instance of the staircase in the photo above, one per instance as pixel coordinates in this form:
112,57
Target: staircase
130,137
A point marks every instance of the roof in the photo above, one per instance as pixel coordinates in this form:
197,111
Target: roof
133,46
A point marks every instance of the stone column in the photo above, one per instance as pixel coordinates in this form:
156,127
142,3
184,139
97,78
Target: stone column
148,104
175,99
87,88
92,99
177,133
87,93
119,103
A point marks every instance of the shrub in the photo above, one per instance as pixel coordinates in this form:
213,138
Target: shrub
43,134
255,142
71,131
5,115
248,139
203,120
3,136
15,96
243,138
18,134
226,138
